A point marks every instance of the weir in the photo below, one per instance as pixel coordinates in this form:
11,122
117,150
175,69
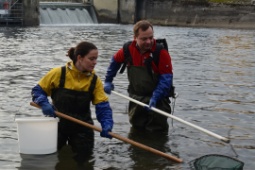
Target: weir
62,13
34,12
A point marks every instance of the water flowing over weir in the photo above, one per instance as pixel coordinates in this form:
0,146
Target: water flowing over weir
62,13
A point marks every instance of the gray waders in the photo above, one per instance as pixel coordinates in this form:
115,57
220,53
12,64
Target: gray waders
141,87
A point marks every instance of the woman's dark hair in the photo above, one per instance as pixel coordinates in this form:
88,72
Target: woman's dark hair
82,49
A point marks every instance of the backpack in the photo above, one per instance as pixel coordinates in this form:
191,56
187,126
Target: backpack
160,44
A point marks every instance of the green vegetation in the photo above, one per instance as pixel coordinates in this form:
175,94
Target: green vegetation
230,1
237,2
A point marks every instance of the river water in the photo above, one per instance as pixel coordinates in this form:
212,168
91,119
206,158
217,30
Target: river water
214,75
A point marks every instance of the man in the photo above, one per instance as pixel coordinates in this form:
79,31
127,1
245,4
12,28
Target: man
149,82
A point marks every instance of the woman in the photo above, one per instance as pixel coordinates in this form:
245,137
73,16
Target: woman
72,88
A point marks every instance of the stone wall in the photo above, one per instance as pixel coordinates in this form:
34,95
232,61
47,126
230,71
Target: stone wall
127,11
107,10
213,15
170,13
31,13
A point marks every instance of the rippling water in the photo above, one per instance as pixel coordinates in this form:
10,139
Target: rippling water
214,74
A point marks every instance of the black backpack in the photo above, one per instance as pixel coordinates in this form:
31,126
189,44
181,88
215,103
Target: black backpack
160,44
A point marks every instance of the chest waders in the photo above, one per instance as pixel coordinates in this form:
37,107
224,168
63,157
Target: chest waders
75,104
141,87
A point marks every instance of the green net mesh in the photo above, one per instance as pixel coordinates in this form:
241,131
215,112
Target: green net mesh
216,162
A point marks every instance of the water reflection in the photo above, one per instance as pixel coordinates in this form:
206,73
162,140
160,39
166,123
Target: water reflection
37,161
58,161
66,161
155,140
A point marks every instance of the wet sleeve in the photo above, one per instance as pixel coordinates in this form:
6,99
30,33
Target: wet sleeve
164,85
104,114
38,95
112,70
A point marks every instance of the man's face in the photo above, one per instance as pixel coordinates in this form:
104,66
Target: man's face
145,39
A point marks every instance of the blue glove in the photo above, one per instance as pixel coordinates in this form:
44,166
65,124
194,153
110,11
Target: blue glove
108,87
164,85
152,103
48,110
105,130
104,116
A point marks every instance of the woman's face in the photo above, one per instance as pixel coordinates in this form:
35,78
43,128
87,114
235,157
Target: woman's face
88,62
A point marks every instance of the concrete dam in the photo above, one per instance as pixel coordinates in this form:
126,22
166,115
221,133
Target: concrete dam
61,13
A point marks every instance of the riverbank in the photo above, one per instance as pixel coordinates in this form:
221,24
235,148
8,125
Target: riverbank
212,15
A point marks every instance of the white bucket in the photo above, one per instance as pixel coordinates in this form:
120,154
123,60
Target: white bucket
37,135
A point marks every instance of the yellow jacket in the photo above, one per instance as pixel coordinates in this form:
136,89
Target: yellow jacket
74,80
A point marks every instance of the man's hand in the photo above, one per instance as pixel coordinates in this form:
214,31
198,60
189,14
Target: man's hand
108,87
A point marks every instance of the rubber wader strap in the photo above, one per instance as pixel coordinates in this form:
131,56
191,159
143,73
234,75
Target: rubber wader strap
92,86
62,77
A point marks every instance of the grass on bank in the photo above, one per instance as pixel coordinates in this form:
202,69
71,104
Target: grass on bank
230,1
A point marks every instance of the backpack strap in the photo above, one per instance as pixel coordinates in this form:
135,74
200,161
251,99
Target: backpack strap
127,56
92,86
160,44
62,77
154,56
